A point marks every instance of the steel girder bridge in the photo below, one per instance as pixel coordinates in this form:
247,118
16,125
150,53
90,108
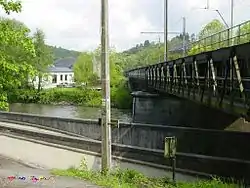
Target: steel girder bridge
216,74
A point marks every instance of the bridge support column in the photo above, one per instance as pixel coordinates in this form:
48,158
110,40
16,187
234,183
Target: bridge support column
154,109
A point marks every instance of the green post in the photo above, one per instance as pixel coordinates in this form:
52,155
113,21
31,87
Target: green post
170,152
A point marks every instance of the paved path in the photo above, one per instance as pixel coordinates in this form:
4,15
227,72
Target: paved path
10,167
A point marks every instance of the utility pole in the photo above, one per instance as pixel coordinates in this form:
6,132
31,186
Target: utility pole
232,13
208,5
165,30
105,121
159,48
184,37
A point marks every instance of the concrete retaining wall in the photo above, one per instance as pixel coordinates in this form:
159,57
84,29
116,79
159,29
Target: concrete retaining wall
188,164
88,128
190,140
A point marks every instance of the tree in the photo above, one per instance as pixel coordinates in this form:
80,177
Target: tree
203,44
211,28
244,31
16,52
83,68
146,43
11,6
12,68
116,60
44,56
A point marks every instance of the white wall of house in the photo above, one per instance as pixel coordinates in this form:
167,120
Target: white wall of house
55,78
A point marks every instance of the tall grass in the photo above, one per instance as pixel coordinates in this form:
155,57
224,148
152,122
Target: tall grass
133,179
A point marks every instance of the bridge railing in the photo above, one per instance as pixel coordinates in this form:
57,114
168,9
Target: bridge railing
238,34
235,35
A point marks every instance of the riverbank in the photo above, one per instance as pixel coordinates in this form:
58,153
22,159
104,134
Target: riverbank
120,97
134,179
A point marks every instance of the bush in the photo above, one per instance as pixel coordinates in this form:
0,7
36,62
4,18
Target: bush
120,96
72,96
23,96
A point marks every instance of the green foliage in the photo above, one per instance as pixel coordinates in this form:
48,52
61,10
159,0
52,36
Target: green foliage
43,56
11,6
120,97
16,52
208,44
73,96
83,69
211,28
244,31
133,179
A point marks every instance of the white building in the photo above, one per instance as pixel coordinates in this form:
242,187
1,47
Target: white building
60,74
55,77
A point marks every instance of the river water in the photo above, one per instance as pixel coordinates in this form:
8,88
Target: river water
69,111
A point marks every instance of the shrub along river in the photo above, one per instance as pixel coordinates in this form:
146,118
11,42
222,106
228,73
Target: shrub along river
69,111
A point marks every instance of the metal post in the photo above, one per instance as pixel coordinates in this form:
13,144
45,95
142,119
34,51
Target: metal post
208,4
173,169
106,129
165,30
232,13
184,37
232,20
170,153
159,46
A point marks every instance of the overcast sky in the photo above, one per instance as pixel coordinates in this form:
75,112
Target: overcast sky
75,24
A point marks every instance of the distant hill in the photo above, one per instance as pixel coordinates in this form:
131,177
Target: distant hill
63,53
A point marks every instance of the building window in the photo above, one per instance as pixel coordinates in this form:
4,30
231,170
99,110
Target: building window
66,77
54,80
61,77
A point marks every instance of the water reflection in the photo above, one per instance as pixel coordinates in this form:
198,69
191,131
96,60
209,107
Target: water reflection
68,111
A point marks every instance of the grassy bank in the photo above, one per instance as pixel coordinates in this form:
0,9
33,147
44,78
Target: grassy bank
133,179
120,97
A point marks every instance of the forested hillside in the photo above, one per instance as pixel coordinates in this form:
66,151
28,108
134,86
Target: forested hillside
59,52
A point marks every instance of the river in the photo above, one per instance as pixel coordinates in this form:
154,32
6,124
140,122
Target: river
69,111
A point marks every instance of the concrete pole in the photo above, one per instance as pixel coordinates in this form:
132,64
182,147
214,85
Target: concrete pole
232,13
165,30
184,37
106,129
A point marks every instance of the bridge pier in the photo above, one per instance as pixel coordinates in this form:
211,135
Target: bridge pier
153,108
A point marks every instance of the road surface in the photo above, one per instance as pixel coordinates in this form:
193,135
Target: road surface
10,167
